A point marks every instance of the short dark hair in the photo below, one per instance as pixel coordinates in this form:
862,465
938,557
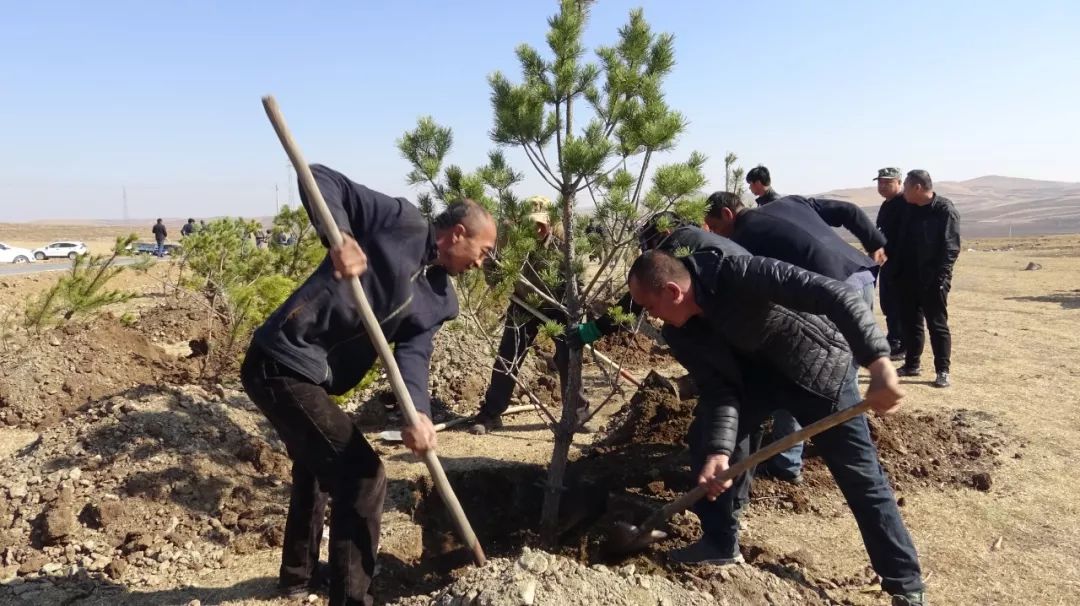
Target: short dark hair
720,200
159,220
760,174
655,268
650,235
921,178
464,212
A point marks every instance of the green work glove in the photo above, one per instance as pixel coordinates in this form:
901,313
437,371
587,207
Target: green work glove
581,335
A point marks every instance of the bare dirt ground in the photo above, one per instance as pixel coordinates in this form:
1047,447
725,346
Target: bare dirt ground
139,485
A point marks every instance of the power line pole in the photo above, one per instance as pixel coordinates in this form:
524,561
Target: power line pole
277,203
125,204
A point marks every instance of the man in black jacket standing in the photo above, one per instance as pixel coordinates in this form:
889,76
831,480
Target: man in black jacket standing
800,231
927,244
760,182
753,331
160,233
891,189
315,345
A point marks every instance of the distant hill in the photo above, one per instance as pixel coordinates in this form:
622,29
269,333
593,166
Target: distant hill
995,205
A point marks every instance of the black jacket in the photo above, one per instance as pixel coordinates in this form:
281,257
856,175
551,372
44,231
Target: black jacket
927,243
763,312
682,241
888,223
159,231
317,331
800,231
770,195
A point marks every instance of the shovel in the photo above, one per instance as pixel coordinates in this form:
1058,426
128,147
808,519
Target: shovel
333,235
395,435
627,538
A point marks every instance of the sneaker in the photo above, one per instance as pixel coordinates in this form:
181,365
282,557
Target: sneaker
319,583
914,598
704,552
483,424
908,371
942,380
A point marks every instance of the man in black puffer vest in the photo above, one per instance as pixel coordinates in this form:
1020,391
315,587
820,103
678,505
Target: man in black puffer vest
754,332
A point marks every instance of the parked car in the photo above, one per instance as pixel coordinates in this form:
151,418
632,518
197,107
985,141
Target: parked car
58,250
11,254
149,248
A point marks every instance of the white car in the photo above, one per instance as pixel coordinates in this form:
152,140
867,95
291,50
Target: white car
60,249
10,254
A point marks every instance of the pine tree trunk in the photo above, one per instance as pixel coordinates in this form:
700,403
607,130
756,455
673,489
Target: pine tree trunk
564,434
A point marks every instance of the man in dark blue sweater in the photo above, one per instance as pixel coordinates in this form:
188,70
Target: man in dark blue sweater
315,345
800,231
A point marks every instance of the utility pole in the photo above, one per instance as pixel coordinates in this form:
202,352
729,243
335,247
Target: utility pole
277,203
125,204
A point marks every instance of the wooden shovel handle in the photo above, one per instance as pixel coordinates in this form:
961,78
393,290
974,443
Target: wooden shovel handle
371,324
687,500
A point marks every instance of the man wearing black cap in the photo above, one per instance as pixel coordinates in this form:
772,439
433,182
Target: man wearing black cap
927,243
760,183
890,188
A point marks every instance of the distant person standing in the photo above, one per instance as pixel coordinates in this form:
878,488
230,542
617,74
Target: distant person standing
202,225
760,183
188,228
891,188
928,242
160,233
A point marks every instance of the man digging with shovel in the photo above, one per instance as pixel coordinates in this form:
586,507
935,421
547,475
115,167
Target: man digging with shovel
750,330
315,345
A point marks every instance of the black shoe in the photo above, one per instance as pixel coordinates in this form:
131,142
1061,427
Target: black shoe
942,380
914,598
704,552
483,424
319,583
908,371
898,355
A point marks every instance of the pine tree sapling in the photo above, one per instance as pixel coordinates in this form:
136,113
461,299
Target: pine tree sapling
594,129
82,291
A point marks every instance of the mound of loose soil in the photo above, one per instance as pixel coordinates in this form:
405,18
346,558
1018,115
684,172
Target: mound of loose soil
544,579
143,489
67,367
918,452
633,349
654,415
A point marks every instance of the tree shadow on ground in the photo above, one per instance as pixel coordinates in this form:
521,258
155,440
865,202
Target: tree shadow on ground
1068,299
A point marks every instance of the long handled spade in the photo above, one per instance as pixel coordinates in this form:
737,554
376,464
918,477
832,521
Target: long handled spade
333,235
627,538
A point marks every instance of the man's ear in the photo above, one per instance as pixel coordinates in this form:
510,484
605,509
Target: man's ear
729,215
675,292
459,232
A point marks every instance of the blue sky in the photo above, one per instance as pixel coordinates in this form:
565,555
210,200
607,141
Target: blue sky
163,97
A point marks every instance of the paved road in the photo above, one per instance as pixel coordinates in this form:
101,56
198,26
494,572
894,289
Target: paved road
19,269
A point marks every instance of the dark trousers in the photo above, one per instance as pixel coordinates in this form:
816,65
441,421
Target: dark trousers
919,303
331,459
891,306
852,458
520,330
